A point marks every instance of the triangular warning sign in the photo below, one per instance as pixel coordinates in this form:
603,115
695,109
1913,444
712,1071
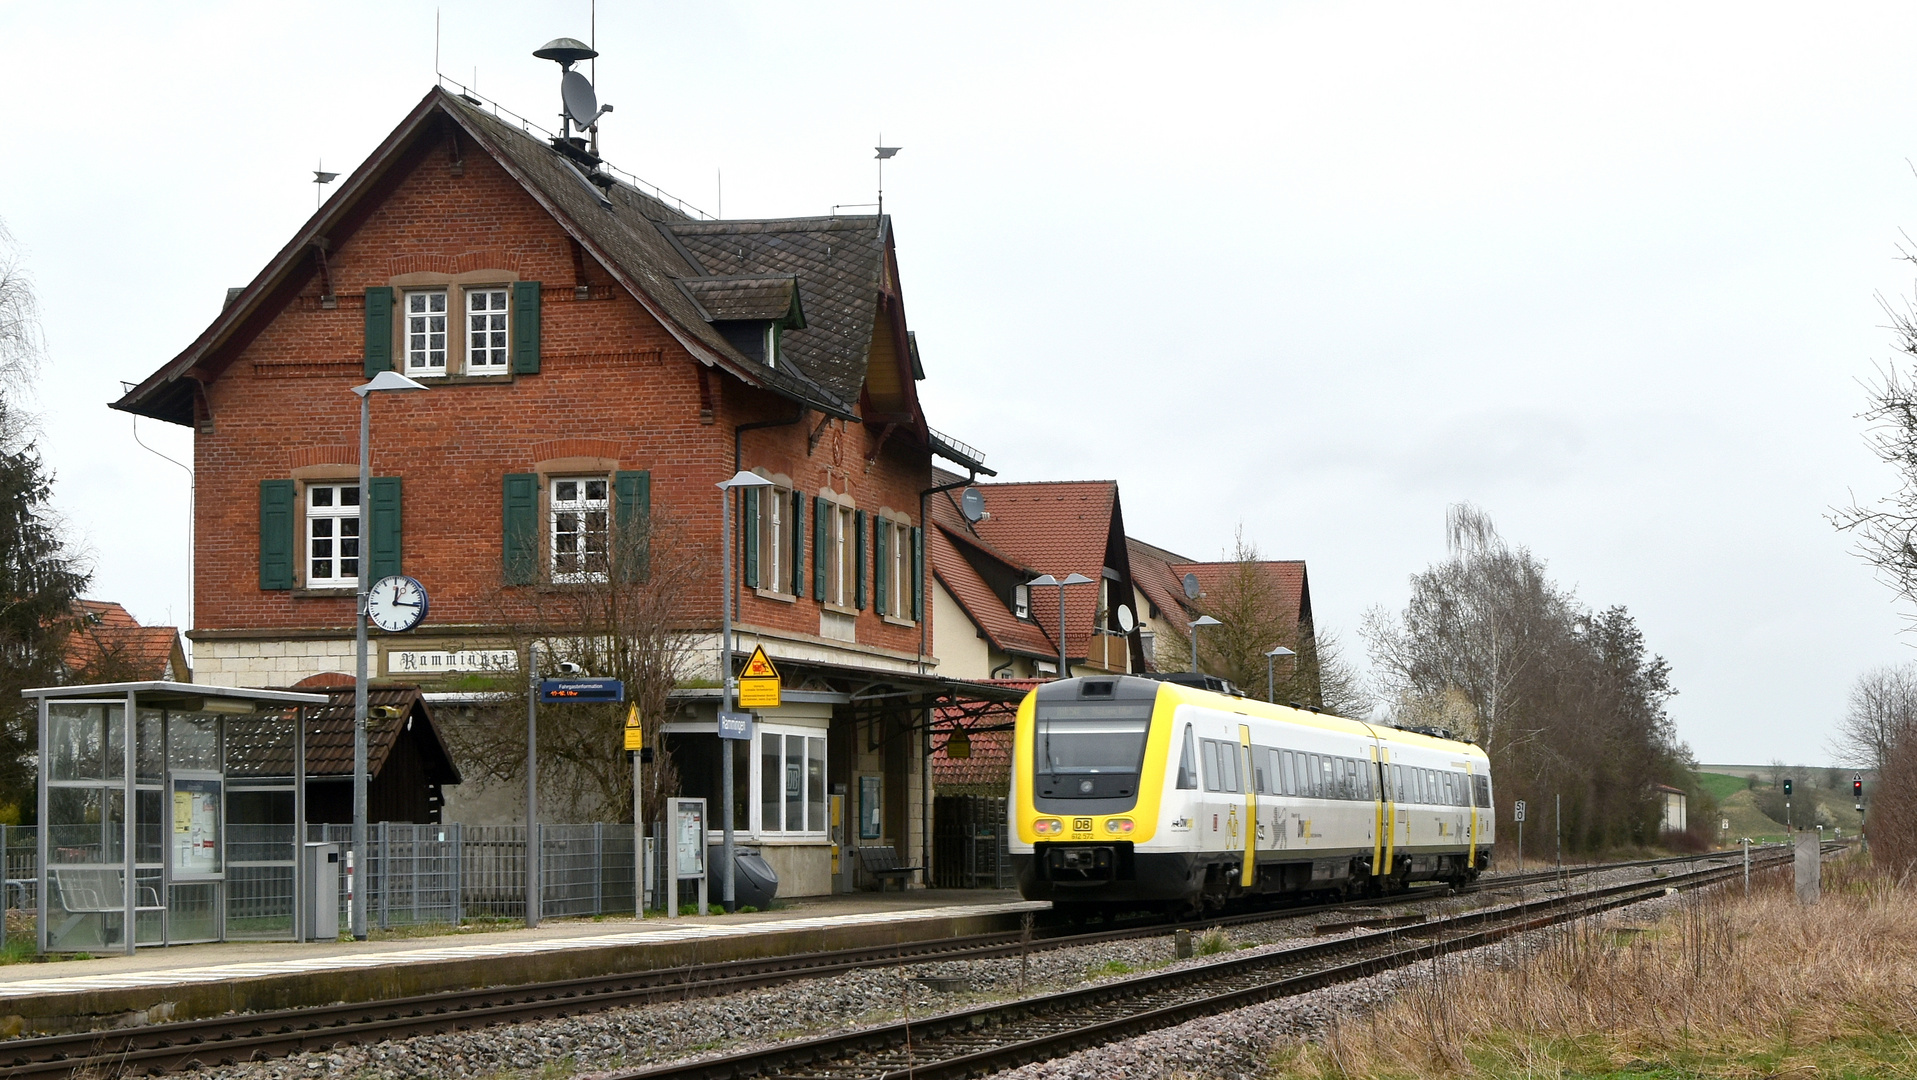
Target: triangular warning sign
759,667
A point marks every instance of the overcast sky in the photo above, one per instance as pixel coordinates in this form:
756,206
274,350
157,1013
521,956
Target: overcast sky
1319,271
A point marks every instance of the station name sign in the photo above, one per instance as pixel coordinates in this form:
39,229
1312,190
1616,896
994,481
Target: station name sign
580,691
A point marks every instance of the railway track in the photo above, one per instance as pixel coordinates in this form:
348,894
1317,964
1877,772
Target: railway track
171,1047
979,1041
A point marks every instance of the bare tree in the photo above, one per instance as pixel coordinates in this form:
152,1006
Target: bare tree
21,344
1881,711
1886,530
624,618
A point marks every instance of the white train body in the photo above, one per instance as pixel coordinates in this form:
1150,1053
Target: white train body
1128,790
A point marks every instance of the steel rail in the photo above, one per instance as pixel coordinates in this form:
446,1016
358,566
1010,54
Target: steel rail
264,1035
974,1042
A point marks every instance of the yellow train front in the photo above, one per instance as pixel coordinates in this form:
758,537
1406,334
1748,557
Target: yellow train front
1134,792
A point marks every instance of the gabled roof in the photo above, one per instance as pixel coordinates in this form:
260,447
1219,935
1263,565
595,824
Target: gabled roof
267,749
1006,631
1160,575
1057,528
106,636
634,237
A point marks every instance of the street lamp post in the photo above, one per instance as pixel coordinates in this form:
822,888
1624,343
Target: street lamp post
740,479
385,380
1271,692
1070,579
1202,620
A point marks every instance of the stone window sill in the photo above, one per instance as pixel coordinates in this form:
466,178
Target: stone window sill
838,610
463,380
893,620
774,594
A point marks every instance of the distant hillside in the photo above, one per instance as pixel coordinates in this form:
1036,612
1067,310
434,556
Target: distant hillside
1746,807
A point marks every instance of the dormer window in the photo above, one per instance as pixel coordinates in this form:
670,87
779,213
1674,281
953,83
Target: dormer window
1022,601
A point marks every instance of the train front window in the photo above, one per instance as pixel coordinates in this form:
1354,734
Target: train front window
1092,739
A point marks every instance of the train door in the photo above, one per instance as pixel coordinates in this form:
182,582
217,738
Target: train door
1382,832
1246,774
1471,836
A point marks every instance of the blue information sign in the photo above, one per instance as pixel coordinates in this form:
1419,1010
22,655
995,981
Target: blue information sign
735,725
556,691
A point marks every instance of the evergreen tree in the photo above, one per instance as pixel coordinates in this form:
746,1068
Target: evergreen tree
40,575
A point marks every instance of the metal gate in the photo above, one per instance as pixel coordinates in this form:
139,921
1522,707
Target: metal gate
969,841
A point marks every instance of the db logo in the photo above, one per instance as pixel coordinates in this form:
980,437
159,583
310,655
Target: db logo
1081,824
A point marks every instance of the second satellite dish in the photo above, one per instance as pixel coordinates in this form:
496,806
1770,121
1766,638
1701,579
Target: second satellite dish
972,504
1191,586
1125,622
582,104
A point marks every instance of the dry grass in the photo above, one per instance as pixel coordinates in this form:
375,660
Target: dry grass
1722,986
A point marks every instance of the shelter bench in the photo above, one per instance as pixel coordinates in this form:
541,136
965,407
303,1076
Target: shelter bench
882,862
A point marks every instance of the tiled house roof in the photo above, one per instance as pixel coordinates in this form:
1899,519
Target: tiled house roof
108,637
1057,528
1160,575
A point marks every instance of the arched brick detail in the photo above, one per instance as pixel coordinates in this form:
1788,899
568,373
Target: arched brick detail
463,263
575,448
324,455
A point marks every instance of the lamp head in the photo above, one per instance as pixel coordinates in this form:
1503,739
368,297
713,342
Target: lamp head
388,380
743,479
1281,651
1204,620
1043,579
1077,579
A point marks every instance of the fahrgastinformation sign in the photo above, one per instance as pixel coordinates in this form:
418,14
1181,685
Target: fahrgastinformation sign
581,691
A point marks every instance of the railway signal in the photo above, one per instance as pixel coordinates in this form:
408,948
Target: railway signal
1787,787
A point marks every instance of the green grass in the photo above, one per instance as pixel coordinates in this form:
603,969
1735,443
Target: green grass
1721,785
1872,1056
1114,967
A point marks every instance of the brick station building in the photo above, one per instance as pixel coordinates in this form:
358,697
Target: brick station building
598,360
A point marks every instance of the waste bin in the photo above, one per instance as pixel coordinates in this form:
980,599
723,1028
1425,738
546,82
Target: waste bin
321,872
754,882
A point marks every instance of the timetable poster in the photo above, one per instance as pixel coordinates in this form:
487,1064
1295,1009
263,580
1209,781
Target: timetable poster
196,826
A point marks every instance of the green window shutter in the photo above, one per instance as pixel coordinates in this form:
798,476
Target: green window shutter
821,547
520,517
276,534
525,327
918,574
881,531
382,505
750,519
858,559
798,543
632,522
379,330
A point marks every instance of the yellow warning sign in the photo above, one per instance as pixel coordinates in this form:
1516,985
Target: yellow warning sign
760,666
635,738
759,682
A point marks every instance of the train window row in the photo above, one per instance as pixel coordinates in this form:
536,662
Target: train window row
1440,787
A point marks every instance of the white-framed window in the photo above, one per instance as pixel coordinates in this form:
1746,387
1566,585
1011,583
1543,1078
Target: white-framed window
844,555
791,780
898,590
774,539
485,331
1022,601
581,516
426,333
332,535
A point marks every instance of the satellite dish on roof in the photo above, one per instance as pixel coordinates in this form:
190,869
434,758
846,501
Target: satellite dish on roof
582,104
1125,621
1191,586
972,504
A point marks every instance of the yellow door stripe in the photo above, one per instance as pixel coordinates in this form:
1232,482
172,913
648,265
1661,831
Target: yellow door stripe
1251,809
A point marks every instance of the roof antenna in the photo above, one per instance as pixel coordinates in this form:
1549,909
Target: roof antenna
883,153
321,178
580,103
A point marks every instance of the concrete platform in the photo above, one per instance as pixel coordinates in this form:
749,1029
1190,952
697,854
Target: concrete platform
191,981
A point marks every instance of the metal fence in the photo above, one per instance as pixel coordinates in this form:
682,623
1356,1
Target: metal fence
451,873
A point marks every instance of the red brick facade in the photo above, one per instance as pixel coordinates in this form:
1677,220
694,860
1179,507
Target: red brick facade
614,385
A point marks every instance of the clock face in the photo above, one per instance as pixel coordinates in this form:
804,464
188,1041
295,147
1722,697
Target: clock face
396,603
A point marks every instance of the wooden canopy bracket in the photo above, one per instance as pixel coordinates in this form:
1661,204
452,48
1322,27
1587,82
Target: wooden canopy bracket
812,440
885,433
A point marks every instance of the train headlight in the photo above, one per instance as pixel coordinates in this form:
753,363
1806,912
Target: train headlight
1048,826
1118,825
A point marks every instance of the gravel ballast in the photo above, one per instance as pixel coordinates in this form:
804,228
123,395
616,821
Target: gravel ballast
1232,1044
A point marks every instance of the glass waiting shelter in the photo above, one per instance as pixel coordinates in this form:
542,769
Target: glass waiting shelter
181,826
